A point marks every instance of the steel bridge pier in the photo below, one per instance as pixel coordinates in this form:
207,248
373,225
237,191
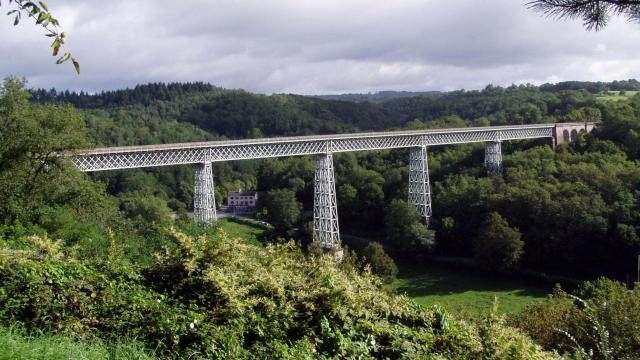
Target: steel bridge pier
325,207
204,200
493,157
419,189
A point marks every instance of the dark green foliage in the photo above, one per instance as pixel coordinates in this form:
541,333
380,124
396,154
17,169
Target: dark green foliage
147,211
32,177
405,231
602,317
498,245
282,209
381,263
140,94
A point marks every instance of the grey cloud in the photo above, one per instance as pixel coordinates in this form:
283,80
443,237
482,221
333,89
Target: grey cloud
315,46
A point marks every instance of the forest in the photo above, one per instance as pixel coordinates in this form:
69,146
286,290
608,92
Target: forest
111,261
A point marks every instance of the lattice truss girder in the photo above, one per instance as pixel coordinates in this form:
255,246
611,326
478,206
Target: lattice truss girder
125,158
204,200
493,157
419,189
325,207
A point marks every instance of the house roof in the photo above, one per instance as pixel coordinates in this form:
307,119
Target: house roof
242,193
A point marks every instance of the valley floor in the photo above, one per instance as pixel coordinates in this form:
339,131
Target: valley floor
465,292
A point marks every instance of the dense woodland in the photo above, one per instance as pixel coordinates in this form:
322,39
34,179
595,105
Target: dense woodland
576,207
77,254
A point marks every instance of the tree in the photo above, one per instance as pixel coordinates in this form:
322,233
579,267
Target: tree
145,209
31,173
595,14
405,231
498,246
40,13
283,210
381,263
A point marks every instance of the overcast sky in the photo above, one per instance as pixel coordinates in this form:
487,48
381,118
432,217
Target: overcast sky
317,46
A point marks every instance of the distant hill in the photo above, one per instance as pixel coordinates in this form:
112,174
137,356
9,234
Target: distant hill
594,87
158,112
377,97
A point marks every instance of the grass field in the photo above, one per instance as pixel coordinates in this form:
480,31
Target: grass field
464,292
242,229
15,345
615,95
461,291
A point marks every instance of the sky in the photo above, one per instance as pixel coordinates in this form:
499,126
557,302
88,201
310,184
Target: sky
317,46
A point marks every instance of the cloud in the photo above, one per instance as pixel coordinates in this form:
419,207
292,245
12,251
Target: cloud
313,46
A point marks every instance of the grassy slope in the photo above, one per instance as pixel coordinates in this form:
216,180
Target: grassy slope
15,345
242,229
615,95
463,292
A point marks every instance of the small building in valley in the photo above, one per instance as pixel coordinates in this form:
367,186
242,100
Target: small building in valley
242,201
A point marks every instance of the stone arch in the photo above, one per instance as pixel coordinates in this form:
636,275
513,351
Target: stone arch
574,134
565,135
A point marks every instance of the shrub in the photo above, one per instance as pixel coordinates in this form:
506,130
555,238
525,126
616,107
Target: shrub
215,297
405,230
601,318
498,246
381,263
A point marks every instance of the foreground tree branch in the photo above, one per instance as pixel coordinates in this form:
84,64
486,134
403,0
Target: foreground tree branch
595,14
40,13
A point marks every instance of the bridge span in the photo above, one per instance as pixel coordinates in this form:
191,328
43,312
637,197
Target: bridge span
325,213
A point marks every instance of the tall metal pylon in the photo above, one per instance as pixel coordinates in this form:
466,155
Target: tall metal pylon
325,209
493,157
419,189
204,200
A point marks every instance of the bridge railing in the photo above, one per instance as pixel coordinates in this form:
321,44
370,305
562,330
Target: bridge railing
326,229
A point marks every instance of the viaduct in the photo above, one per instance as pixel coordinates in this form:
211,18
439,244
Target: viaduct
325,213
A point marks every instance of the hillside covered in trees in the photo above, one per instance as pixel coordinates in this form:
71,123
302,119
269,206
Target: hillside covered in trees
103,258
575,208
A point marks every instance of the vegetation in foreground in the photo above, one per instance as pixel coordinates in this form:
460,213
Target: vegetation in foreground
16,344
599,321
223,298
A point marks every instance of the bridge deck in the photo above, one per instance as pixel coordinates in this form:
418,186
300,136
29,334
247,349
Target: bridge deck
112,158
206,144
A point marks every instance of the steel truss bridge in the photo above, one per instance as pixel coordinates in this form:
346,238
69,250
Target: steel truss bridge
325,213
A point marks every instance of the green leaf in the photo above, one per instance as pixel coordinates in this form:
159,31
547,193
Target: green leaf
55,45
43,5
11,12
42,17
17,20
63,58
76,65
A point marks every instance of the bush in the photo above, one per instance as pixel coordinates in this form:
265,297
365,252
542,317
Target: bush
602,317
405,231
215,297
381,263
498,246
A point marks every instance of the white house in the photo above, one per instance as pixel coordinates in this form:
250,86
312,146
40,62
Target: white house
242,201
